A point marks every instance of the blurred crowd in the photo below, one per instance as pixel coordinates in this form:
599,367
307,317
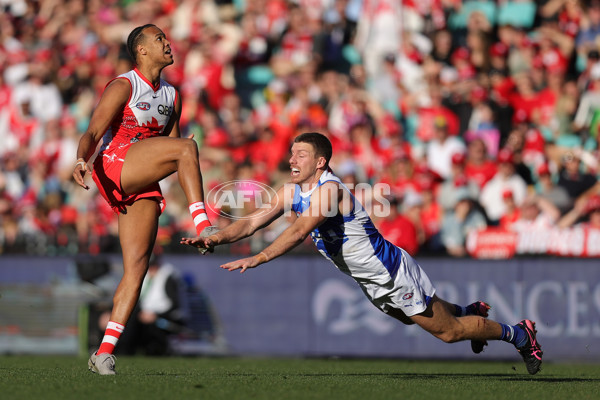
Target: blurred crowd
475,113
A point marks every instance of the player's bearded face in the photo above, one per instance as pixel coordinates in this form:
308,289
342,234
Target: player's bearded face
303,163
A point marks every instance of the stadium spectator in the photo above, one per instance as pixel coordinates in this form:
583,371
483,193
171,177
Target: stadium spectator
479,167
535,214
572,178
441,148
481,122
549,190
512,212
457,223
398,229
452,187
505,179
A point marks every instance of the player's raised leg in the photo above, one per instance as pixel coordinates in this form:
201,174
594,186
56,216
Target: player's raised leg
137,234
153,159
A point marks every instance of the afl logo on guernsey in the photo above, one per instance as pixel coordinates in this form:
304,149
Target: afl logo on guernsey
407,296
142,105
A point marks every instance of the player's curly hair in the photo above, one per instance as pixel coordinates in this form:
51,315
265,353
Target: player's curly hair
134,39
319,141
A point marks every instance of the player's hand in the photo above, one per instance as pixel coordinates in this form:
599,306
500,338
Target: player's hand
205,243
81,168
242,264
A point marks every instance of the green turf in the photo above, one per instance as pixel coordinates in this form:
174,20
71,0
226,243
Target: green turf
48,378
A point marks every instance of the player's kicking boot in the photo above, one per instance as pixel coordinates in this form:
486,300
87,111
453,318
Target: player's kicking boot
478,308
531,351
103,364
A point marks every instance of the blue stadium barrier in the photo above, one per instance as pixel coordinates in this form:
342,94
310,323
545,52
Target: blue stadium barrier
303,306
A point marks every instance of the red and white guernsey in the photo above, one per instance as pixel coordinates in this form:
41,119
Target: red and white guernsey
145,115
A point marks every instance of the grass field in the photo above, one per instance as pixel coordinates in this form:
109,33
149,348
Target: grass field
53,377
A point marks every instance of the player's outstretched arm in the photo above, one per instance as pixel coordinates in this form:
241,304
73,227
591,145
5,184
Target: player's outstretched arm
112,101
324,203
243,228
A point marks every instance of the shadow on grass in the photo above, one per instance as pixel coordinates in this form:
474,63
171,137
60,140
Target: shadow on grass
420,376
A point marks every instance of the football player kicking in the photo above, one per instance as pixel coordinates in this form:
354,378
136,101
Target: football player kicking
344,233
137,120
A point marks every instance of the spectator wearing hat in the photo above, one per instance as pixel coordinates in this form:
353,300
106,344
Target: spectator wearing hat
498,56
506,178
441,148
536,213
461,60
572,178
482,122
449,190
457,223
547,189
527,145
512,212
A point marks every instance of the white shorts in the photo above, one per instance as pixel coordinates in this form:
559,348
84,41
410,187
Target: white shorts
411,291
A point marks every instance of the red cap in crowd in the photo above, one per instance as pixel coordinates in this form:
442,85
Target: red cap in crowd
462,53
537,62
391,126
458,158
527,42
505,156
543,169
478,93
507,194
520,116
554,61
499,49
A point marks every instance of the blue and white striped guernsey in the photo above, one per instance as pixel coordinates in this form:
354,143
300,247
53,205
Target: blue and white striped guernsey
351,241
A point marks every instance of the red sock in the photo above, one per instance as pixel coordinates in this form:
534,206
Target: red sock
199,215
111,337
